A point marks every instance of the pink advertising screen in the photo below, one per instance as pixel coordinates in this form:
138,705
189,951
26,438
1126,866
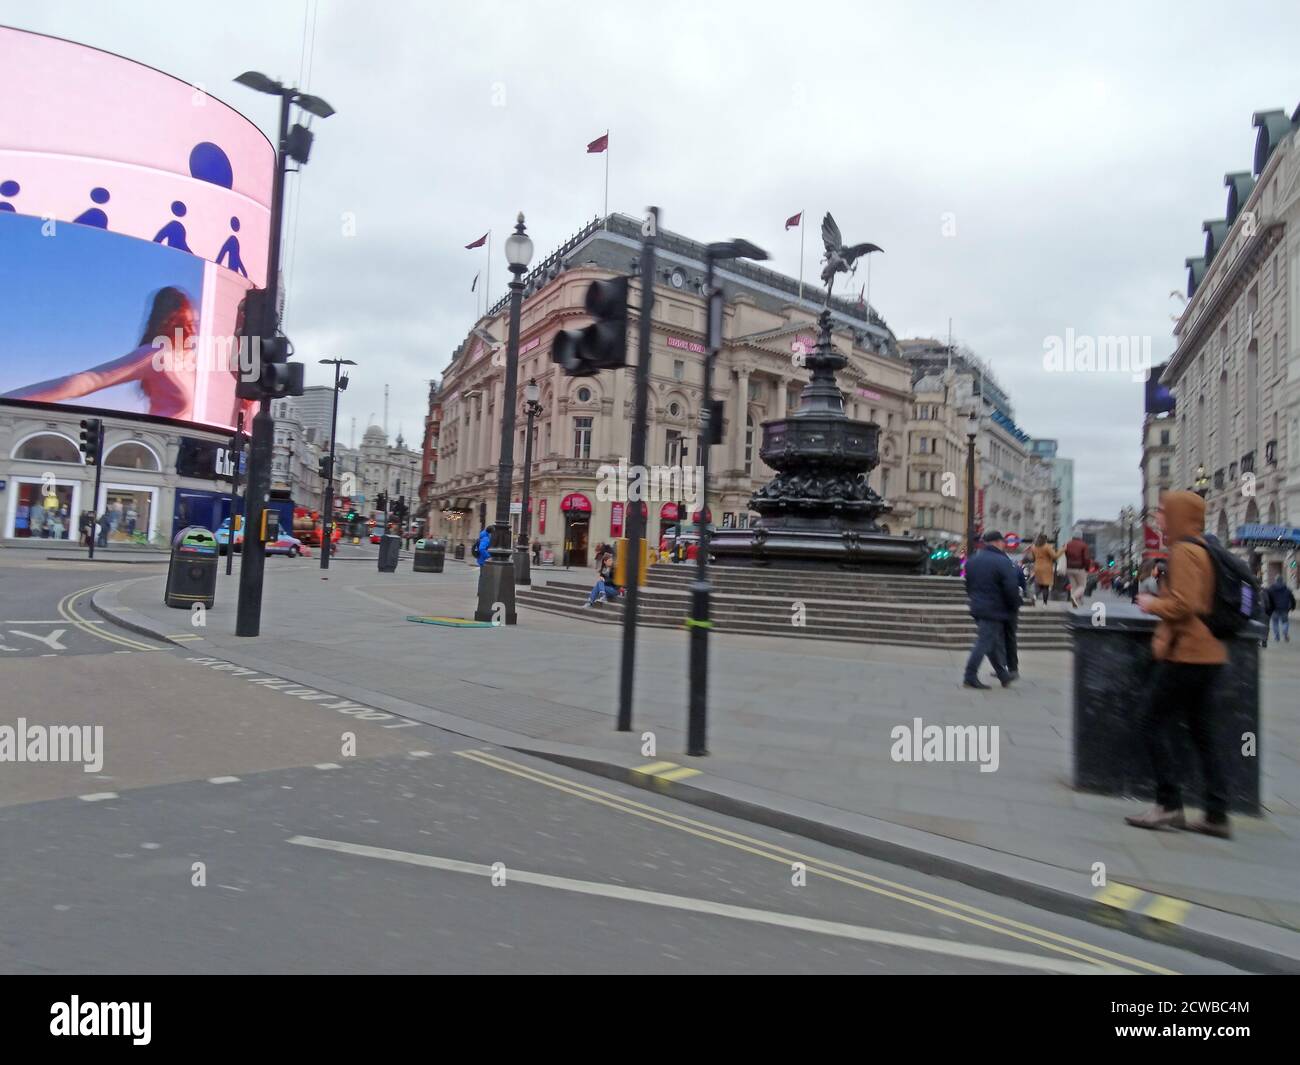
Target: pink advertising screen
134,214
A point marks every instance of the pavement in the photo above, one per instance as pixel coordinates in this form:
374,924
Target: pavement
800,740
241,821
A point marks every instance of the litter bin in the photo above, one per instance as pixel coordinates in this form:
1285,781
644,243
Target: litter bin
390,550
192,571
459,553
430,555
1112,676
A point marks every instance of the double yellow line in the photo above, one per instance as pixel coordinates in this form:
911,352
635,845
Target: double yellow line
1105,960
67,611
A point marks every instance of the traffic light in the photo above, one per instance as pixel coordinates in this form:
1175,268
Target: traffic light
323,465
603,344
1110,560
382,502
92,438
275,376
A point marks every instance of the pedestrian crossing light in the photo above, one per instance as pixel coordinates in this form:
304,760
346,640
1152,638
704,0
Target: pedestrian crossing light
1110,560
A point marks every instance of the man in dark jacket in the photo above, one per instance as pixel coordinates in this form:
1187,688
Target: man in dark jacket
1278,604
994,594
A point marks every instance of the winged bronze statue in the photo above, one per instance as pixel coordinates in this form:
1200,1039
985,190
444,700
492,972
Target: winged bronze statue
839,259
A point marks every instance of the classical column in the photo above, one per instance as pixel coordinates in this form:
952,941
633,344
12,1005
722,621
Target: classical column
782,395
739,417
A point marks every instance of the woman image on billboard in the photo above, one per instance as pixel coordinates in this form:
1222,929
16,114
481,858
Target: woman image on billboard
169,387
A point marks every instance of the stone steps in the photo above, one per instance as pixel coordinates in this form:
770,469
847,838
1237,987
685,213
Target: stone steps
906,624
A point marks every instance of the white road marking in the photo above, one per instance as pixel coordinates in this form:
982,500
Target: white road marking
881,936
223,780
420,754
98,796
51,641
329,765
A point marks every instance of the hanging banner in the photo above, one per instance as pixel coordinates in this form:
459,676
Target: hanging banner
541,517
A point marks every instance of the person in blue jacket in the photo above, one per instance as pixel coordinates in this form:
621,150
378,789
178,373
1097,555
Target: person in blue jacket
994,594
481,548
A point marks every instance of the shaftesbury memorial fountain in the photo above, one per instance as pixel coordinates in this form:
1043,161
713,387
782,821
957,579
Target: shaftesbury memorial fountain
819,510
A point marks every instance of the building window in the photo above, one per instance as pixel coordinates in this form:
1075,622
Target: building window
49,447
1164,468
749,443
673,448
755,389
582,438
132,456
1164,437
584,395
675,409
679,370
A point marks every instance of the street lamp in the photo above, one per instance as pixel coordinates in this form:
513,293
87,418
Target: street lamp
496,583
532,408
698,623
327,528
290,144
972,430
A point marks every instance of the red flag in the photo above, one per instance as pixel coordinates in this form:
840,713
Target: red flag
478,243
793,220
600,144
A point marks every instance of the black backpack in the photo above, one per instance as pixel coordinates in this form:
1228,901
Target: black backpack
1237,599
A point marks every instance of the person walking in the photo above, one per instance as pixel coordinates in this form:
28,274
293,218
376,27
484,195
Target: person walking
1188,660
994,596
1278,604
1045,556
1078,560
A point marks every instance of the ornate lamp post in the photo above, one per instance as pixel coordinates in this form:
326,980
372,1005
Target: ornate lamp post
1128,516
532,408
496,584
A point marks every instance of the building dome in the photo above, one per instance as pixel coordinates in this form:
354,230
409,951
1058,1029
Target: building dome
376,432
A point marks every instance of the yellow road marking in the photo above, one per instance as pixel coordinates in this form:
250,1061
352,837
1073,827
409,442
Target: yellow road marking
680,773
1163,908
1118,896
935,903
65,610
654,767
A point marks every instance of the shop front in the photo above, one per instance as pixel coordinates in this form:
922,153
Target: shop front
44,508
576,509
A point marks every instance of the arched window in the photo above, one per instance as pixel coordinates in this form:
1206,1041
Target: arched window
49,447
132,456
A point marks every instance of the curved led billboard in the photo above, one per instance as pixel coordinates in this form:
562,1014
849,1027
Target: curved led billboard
134,214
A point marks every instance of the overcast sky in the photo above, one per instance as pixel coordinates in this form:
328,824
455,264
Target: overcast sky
1075,152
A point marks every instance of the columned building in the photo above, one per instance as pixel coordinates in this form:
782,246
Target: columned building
1235,370
936,457
586,422
393,469
1159,447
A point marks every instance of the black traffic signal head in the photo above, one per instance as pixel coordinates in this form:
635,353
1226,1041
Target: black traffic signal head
92,437
603,344
323,464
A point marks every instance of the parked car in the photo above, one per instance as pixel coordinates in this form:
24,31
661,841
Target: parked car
287,545
283,545
223,538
